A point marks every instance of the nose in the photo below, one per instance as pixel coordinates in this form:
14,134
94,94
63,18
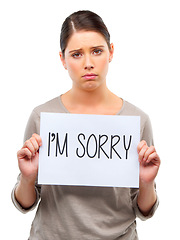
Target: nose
88,65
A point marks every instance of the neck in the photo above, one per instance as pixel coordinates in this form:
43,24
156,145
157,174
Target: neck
98,101
89,98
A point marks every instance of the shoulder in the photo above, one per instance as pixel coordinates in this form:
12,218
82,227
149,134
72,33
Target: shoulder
52,105
33,124
146,130
130,109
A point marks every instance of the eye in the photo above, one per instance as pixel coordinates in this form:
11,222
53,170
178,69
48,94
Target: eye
77,55
97,51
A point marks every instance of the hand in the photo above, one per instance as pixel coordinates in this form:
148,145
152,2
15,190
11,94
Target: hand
149,162
28,158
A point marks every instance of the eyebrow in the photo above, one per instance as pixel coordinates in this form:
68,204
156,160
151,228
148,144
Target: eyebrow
100,46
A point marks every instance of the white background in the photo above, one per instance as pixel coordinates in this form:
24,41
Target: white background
145,71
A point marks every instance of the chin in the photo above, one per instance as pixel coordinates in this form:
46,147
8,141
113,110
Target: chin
90,86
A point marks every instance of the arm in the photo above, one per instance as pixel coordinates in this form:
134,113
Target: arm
25,193
149,166
28,158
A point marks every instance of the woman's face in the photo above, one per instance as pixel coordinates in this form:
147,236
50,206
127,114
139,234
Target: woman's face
87,58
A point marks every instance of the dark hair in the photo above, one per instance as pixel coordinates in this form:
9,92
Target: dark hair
82,20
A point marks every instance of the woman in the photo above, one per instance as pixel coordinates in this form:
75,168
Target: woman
72,212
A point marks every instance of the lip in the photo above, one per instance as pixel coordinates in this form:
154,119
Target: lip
89,76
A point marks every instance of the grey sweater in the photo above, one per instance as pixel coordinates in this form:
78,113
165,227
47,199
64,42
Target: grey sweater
79,212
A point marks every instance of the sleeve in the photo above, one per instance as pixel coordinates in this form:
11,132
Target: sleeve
33,126
146,132
138,213
17,204
147,135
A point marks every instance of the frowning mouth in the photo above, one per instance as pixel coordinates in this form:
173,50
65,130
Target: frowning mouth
89,76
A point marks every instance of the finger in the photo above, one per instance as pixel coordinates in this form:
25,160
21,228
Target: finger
149,152
38,138
34,143
142,153
141,145
28,144
154,158
24,153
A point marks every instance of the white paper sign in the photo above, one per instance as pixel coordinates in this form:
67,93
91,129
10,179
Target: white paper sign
89,150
